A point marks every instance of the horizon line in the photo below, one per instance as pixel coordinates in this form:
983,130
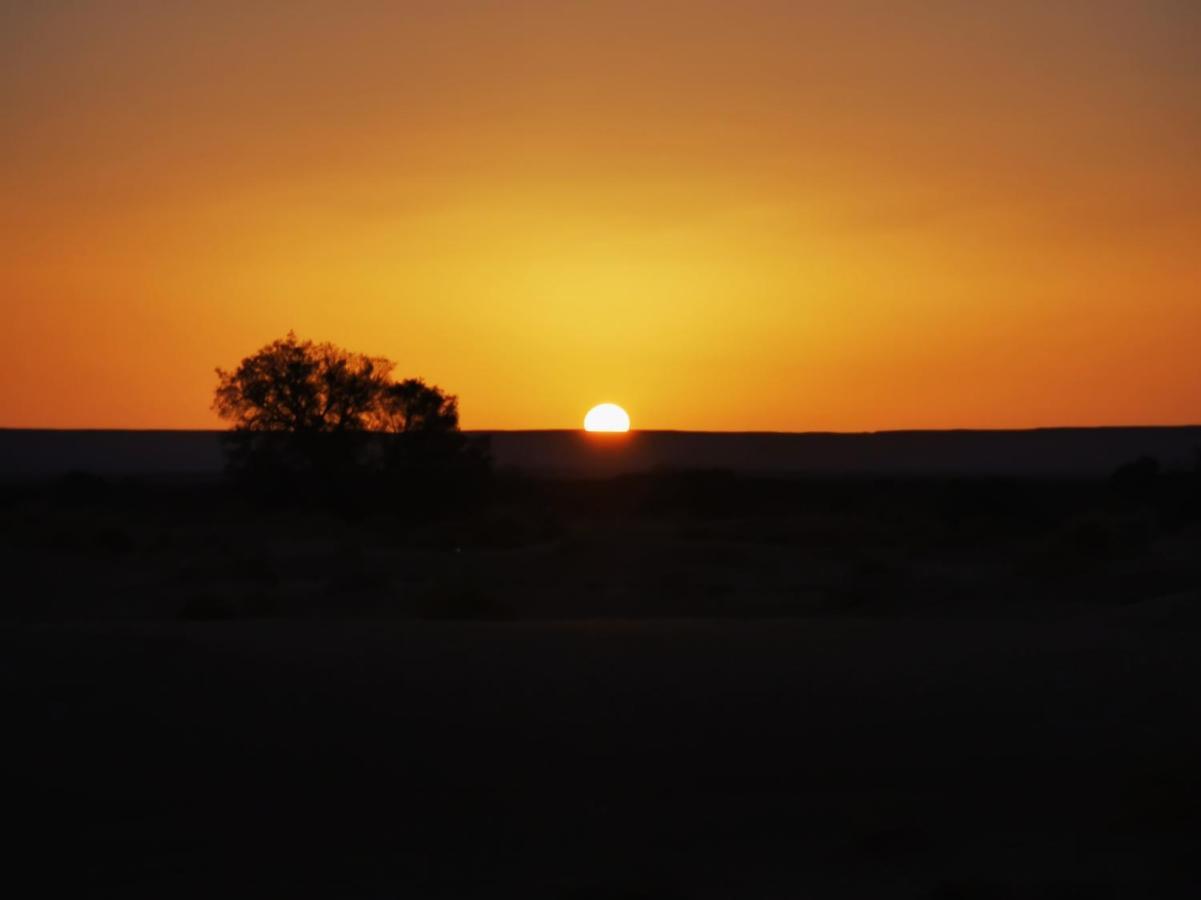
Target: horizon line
580,430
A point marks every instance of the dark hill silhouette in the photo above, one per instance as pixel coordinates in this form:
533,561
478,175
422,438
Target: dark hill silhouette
1050,452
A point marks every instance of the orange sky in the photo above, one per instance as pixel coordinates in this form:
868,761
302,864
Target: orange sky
752,215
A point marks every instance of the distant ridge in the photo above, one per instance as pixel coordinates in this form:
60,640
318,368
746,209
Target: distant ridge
1057,452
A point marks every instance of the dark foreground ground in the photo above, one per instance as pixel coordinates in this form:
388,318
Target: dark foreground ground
661,687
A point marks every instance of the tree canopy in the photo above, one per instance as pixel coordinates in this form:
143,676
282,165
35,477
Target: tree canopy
304,387
300,409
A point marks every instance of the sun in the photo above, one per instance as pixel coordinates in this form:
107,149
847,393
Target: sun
607,417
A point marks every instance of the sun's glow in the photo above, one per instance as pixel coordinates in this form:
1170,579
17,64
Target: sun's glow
607,417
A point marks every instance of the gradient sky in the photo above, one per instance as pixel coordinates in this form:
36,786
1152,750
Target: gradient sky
738,215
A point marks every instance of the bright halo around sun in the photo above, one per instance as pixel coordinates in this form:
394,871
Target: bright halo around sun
607,417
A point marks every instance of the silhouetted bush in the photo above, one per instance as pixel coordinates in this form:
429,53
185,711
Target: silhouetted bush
80,488
459,596
215,606
1137,476
1098,536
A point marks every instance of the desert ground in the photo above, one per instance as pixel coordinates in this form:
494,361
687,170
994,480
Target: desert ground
676,684
822,758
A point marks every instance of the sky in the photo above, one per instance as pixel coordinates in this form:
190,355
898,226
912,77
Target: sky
742,215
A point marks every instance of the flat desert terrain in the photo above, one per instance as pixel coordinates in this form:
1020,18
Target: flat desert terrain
676,684
620,759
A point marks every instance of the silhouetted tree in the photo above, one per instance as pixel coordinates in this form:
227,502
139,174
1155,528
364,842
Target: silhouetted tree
412,406
299,408
1137,476
301,387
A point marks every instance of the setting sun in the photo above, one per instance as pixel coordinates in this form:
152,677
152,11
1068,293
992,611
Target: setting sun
607,417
